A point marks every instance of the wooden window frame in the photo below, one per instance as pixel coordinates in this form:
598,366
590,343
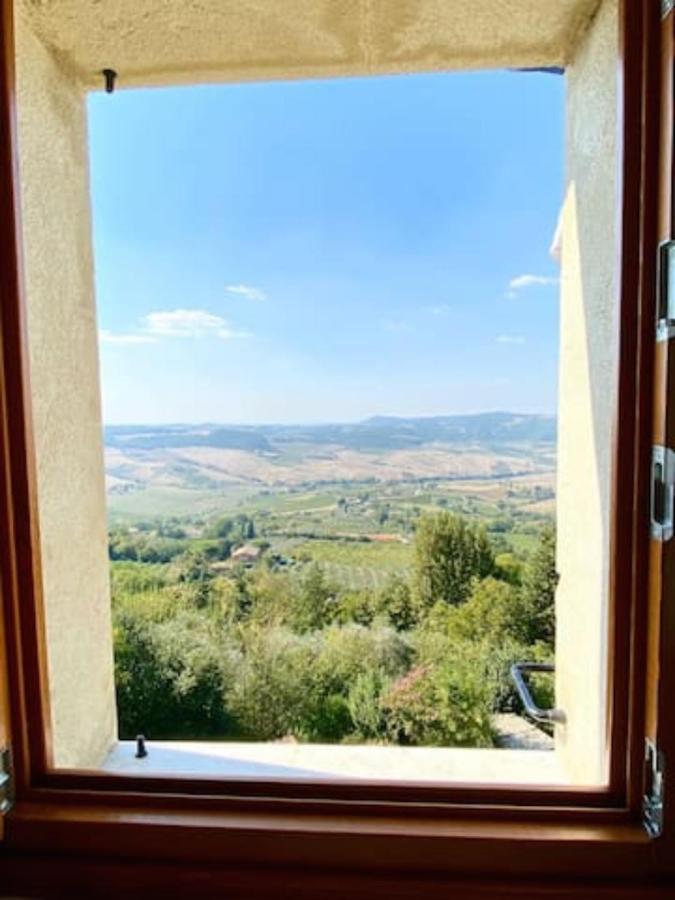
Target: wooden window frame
417,832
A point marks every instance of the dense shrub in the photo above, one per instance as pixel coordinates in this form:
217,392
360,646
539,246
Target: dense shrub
395,603
356,606
170,677
446,705
266,654
365,704
495,611
272,695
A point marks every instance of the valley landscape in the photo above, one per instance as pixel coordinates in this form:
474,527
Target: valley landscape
176,469
366,583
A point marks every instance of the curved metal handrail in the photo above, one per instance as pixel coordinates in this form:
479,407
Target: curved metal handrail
531,708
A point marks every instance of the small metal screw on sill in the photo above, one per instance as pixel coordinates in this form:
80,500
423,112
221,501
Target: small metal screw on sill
110,76
141,751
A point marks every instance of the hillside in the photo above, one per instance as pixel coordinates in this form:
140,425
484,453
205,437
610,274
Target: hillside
376,433
208,463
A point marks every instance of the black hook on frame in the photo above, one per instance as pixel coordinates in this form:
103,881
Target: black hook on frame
109,75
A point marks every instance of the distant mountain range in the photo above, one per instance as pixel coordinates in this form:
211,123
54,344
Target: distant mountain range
378,433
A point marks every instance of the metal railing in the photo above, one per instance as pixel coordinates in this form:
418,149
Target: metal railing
531,708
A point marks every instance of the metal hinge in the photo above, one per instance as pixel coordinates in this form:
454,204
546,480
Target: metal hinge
666,7
665,301
662,493
6,781
652,801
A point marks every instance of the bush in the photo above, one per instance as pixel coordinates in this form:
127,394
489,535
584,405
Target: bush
170,677
356,606
508,568
266,654
441,706
349,651
495,612
273,694
328,720
365,704
395,601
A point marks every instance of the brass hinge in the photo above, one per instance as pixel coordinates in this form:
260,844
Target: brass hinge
652,801
6,781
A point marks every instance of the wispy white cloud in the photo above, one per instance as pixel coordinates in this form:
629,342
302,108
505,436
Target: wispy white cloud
246,290
110,337
524,281
442,309
192,323
510,339
174,323
395,325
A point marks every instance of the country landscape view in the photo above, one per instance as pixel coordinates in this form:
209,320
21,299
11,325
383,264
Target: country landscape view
368,582
330,447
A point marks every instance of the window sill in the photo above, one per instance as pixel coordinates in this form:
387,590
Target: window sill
314,762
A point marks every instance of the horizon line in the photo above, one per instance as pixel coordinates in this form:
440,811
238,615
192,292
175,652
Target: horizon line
324,422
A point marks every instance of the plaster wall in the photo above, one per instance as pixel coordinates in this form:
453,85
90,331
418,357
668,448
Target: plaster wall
154,42
587,398
66,406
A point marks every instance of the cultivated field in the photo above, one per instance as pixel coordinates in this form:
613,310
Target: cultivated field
315,499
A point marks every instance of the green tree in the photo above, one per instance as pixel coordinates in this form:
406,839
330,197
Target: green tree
237,529
365,704
355,606
449,553
539,585
195,570
495,612
312,602
508,567
395,601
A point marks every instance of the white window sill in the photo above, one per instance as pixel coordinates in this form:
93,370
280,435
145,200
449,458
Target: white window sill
316,761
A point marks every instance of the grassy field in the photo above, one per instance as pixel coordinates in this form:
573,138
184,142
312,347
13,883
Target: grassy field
355,578
355,564
392,556
166,502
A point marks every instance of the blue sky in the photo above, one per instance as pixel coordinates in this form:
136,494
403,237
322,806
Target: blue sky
328,250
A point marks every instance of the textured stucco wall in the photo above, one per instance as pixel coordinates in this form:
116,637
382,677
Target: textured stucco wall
170,42
66,406
587,393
